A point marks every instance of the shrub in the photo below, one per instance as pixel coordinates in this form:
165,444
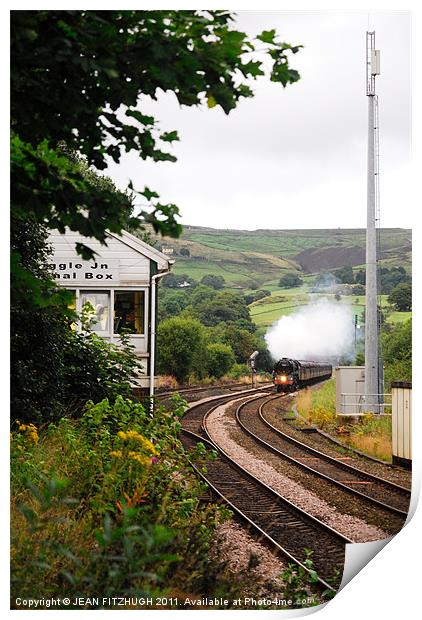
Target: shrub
166,382
397,353
290,280
220,358
95,369
38,339
216,282
108,503
180,347
62,369
239,370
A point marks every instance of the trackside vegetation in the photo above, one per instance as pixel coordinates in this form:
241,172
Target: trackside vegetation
372,434
103,497
109,503
204,332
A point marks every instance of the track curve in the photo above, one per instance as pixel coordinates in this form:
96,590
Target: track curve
290,529
383,493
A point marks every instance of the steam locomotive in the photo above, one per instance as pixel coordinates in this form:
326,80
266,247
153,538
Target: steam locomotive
291,375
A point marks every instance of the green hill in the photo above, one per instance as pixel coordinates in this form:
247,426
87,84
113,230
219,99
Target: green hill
248,259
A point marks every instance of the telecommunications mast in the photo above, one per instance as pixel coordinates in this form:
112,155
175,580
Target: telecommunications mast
374,384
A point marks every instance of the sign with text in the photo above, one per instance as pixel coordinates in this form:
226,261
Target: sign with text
71,270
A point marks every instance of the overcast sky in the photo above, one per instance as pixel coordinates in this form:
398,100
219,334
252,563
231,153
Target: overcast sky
294,157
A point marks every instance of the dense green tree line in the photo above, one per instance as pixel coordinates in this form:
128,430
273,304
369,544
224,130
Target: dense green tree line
203,331
389,277
396,351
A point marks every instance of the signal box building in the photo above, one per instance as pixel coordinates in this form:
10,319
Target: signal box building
118,287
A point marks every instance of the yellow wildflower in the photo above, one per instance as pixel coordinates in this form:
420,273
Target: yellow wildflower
132,435
135,456
135,436
34,437
116,453
30,431
149,446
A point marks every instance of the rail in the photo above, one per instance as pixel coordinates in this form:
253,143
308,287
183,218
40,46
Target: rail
284,525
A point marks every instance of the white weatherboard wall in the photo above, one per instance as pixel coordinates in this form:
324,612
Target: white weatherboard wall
125,265
401,395
129,265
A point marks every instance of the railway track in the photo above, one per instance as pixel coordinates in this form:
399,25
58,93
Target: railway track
383,493
289,529
195,393
203,388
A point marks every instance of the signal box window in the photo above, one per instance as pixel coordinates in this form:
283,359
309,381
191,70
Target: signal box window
72,301
129,312
96,306
72,306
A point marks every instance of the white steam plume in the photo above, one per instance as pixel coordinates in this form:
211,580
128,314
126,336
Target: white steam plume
320,330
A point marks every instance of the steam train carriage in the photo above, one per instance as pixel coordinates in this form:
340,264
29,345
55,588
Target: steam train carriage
291,375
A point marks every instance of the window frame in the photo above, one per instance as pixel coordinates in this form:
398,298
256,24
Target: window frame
133,289
93,291
110,335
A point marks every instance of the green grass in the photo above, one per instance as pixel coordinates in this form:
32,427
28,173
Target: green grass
372,434
288,243
281,302
198,269
251,259
284,302
399,317
265,318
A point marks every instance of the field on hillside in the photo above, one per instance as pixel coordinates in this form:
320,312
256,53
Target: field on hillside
281,302
289,243
288,301
250,260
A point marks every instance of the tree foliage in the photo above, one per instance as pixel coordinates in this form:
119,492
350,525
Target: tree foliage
219,359
180,347
78,83
182,280
290,280
227,307
391,277
77,80
225,320
401,297
213,281
345,275
242,342
397,353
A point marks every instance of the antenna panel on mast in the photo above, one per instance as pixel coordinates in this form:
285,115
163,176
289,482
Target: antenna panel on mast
375,62
372,63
